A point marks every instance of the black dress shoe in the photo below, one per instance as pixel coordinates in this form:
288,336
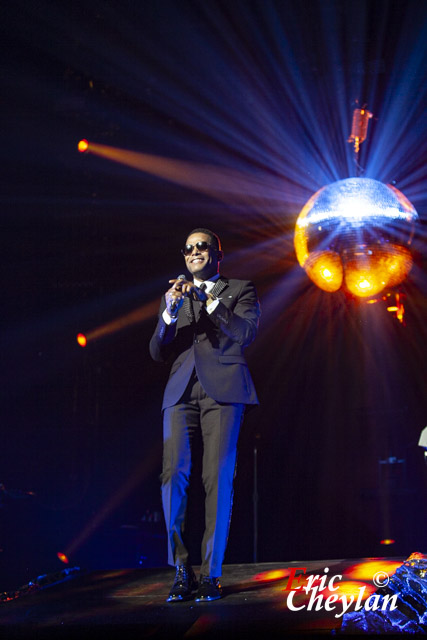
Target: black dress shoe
184,585
209,589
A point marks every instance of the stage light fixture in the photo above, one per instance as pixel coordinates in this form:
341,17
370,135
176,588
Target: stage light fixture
61,556
83,146
356,233
423,439
359,127
81,339
423,442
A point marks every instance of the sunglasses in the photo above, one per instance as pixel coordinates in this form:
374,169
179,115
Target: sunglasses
201,246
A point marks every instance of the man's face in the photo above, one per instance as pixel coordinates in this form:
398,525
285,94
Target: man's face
201,264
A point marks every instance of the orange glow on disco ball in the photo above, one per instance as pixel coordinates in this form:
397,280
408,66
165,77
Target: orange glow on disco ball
365,273
398,264
356,233
325,269
81,339
83,146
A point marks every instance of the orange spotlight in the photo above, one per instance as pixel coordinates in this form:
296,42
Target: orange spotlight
81,339
83,146
387,541
62,557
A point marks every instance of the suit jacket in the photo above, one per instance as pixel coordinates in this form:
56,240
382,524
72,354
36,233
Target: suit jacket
211,343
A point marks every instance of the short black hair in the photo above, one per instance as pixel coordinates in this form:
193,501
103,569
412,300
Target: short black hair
216,242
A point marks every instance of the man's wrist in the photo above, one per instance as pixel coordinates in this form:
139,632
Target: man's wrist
169,318
211,304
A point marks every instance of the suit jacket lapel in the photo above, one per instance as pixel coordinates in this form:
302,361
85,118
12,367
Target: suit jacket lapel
219,286
188,306
188,309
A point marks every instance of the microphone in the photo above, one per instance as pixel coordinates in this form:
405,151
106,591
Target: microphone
174,304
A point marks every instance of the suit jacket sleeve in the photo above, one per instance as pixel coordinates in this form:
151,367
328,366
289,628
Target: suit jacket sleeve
241,323
161,342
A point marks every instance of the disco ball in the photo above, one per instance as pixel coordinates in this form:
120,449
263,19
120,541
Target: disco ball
356,234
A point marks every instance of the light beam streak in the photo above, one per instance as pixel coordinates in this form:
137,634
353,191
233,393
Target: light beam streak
143,470
229,185
141,314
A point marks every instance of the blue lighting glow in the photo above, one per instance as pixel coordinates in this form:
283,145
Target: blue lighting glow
357,202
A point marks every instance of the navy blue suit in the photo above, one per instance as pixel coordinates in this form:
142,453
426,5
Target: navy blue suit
208,388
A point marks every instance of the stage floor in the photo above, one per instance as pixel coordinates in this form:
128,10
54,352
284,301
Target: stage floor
131,602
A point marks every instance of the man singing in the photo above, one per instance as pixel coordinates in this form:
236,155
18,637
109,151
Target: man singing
203,327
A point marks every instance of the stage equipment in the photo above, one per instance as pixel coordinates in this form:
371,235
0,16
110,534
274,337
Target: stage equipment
397,308
356,233
359,127
423,442
41,582
423,438
6,495
61,556
81,339
83,146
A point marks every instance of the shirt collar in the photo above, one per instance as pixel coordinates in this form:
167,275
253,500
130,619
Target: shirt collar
209,283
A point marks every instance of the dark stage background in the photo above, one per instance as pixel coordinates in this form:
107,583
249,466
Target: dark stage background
264,93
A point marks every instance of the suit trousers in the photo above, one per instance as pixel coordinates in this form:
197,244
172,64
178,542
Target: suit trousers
220,426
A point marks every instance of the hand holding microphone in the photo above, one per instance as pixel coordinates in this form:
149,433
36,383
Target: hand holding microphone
174,297
189,289
181,288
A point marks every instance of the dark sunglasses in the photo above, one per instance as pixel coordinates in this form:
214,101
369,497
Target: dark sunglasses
201,246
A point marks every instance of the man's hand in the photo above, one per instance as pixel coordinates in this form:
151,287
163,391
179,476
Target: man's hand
187,288
174,298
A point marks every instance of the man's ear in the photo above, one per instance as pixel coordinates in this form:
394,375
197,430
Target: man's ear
220,255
